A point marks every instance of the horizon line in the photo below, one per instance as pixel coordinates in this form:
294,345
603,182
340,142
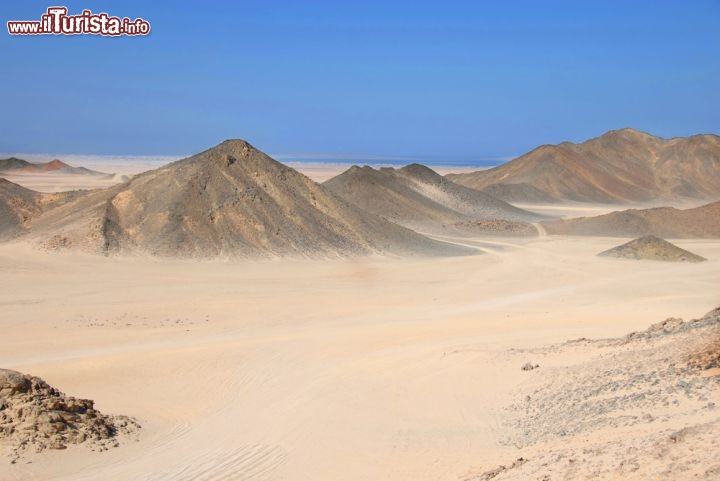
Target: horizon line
295,158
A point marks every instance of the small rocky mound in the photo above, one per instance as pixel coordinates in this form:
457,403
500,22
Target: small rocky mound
653,248
36,416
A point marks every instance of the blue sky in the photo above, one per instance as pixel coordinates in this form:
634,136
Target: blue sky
424,80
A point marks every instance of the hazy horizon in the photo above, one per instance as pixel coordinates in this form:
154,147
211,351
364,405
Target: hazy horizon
323,159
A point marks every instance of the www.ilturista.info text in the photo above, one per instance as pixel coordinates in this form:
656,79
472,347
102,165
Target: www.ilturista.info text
57,22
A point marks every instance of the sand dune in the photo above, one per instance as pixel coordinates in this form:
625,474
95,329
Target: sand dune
620,166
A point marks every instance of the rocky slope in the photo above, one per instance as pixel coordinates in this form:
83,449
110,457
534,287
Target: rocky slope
230,200
699,222
644,406
651,248
620,166
417,197
17,206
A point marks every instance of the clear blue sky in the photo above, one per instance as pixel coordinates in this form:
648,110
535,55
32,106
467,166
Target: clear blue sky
443,80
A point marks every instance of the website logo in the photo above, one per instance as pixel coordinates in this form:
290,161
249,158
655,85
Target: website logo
57,22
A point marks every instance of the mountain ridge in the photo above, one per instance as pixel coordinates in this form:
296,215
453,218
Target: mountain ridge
15,165
419,198
666,222
620,166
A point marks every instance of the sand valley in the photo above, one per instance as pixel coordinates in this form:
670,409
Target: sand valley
320,369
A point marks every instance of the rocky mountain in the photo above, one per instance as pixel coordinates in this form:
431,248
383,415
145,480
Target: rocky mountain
621,166
418,197
230,200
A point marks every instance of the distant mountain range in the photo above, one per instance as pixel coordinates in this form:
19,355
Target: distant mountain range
233,200
621,166
699,222
13,165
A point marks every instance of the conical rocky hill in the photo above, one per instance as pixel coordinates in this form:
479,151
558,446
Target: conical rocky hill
230,200
654,248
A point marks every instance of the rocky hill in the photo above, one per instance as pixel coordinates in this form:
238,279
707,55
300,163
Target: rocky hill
230,200
652,248
621,166
418,197
699,222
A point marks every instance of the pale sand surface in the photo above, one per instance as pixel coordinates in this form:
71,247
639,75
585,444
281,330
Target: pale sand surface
376,369
56,182
568,210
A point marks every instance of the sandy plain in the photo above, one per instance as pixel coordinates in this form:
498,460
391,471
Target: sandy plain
343,370
368,369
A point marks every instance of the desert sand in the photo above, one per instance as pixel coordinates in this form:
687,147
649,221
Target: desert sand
54,182
328,369
380,367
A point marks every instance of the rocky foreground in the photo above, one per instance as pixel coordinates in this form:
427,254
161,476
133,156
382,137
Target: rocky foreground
642,407
35,416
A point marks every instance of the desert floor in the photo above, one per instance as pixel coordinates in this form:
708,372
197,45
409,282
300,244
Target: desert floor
375,369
